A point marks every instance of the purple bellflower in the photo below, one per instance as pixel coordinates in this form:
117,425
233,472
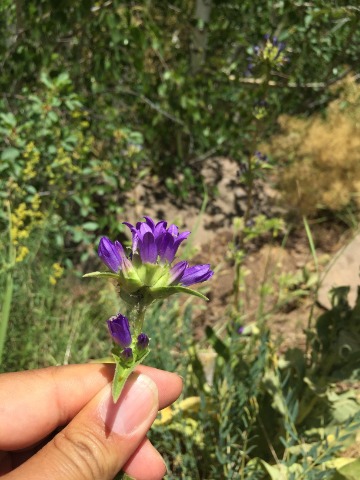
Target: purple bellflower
156,242
148,272
119,329
157,245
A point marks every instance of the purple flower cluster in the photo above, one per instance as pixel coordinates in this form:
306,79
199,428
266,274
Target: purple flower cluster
274,41
271,43
154,244
261,157
119,329
272,50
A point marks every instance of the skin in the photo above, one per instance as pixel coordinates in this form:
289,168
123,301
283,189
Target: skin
60,422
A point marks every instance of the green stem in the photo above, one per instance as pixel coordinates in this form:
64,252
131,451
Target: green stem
5,314
138,316
236,285
9,288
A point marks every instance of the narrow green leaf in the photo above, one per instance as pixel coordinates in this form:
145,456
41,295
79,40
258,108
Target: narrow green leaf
164,292
217,344
312,245
101,274
122,373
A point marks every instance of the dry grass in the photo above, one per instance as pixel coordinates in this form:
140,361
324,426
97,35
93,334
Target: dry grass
320,156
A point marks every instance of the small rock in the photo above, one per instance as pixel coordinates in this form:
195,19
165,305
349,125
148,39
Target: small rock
344,271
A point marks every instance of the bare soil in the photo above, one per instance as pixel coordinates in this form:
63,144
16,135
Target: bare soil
267,260
270,263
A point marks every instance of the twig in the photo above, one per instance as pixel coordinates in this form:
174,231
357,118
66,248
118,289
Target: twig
204,156
312,85
154,106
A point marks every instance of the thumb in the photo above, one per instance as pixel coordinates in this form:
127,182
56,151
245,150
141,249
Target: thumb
100,439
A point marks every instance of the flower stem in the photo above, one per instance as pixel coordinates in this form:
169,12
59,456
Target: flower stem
138,316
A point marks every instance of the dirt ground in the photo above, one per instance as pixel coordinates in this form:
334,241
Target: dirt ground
278,266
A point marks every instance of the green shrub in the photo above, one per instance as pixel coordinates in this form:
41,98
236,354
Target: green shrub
59,168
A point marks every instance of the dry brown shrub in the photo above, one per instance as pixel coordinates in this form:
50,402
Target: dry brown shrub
319,157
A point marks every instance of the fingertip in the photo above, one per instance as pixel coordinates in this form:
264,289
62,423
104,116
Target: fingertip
169,384
146,463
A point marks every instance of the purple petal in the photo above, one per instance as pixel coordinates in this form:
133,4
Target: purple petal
135,238
110,253
183,236
150,222
147,248
171,255
196,274
129,225
165,247
173,229
160,228
143,229
119,248
119,329
176,272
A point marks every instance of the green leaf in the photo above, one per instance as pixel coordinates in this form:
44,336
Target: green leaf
274,472
10,154
121,374
101,274
9,119
46,81
217,344
164,292
53,116
91,226
350,471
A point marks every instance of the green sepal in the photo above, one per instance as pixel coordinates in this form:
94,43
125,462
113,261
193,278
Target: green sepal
129,281
101,274
152,274
122,373
164,292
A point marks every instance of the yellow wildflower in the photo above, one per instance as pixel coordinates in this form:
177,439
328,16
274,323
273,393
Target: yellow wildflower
22,253
57,271
33,156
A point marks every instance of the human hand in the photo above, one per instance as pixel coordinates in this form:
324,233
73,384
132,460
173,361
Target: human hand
99,437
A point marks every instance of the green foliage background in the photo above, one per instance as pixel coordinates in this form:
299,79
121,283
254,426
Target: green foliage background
132,88
97,95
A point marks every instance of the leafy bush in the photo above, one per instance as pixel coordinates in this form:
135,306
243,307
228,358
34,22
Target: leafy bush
53,164
177,73
248,412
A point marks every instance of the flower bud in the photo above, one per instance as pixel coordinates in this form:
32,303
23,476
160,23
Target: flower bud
142,341
120,330
127,353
